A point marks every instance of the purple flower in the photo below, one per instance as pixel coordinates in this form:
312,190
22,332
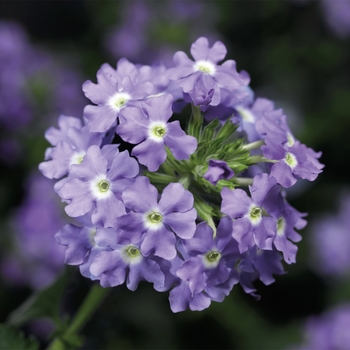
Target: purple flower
54,136
218,170
337,15
261,264
208,272
251,119
250,227
99,257
203,79
328,331
295,160
156,223
148,128
293,163
126,263
81,244
71,144
79,241
113,92
330,242
181,298
211,259
287,219
36,259
98,188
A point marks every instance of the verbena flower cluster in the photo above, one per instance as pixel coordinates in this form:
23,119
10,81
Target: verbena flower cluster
327,331
34,85
330,242
35,259
192,207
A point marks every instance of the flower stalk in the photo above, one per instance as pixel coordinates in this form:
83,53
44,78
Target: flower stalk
91,303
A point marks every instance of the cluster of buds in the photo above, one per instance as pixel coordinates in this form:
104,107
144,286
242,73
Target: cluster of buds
192,207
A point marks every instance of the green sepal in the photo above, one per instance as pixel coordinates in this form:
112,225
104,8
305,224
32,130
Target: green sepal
209,131
227,130
12,338
179,167
160,180
196,121
230,184
43,303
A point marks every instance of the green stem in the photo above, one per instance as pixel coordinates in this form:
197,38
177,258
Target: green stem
88,307
205,212
259,159
196,113
185,181
195,124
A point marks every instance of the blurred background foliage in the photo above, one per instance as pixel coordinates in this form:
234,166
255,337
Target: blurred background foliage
293,57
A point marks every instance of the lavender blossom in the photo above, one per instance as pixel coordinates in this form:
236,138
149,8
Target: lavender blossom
328,331
70,150
36,259
259,264
337,15
80,243
126,263
98,188
148,128
250,227
211,260
330,242
113,92
156,223
204,76
16,55
287,220
250,117
181,298
218,170
293,163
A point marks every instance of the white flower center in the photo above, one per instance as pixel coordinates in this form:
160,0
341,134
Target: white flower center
205,67
291,160
131,255
255,215
153,220
212,259
157,131
119,100
100,187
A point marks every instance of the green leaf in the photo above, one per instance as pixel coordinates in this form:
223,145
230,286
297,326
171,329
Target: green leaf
12,338
43,303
